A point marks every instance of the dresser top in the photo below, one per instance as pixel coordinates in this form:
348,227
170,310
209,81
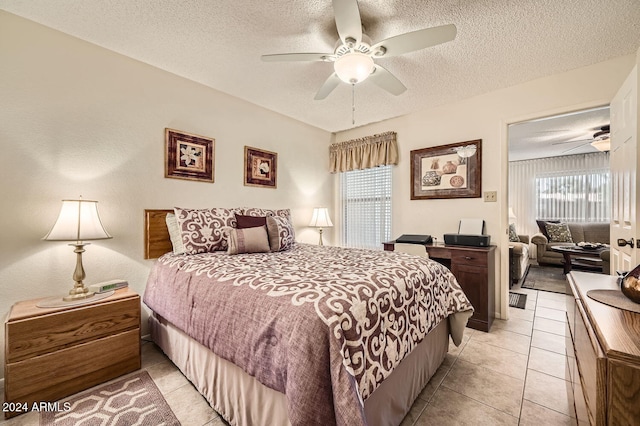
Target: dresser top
28,308
617,330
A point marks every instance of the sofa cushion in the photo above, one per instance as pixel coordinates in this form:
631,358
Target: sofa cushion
559,233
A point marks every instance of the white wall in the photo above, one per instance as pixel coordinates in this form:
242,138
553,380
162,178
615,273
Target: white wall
486,117
77,119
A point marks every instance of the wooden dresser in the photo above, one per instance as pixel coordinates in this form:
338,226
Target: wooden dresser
603,355
474,268
52,353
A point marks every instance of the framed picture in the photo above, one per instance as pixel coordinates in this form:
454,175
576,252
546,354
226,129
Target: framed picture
260,167
188,156
447,171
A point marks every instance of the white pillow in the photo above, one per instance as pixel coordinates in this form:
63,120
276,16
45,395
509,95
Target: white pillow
174,233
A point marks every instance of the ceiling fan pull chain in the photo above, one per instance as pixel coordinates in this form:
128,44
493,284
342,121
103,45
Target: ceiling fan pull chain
353,104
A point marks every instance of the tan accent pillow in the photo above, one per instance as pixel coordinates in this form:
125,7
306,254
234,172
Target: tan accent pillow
247,240
281,233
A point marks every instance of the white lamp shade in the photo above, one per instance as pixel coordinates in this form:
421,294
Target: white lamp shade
320,218
78,221
353,67
512,216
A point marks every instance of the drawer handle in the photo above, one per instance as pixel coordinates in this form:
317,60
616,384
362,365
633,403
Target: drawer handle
468,257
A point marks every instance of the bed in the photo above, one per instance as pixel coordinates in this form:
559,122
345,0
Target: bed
301,335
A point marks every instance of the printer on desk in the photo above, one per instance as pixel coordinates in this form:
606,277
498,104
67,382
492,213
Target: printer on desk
470,233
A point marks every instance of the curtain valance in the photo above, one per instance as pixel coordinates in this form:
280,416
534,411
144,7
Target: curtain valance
363,153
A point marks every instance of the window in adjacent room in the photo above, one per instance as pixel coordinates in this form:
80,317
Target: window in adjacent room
579,196
366,207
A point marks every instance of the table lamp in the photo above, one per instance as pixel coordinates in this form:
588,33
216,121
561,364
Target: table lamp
320,219
78,221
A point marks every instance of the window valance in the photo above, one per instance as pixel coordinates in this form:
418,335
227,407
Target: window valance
363,153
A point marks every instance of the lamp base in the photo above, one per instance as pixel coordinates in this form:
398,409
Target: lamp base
78,293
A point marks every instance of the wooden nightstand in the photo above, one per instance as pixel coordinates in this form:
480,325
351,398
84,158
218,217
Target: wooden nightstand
51,353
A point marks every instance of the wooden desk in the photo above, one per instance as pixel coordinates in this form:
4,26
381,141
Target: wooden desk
474,268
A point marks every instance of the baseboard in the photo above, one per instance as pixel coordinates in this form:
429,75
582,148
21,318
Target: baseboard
146,338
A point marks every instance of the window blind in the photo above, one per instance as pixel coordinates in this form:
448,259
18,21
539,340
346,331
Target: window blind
366,207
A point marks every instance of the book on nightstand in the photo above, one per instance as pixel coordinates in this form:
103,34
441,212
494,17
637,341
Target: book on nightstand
108,286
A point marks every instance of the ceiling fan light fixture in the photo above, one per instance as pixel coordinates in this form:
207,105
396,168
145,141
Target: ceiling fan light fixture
353,67
602,144
601,139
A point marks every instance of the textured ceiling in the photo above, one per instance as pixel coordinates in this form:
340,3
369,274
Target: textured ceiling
565,134
219,43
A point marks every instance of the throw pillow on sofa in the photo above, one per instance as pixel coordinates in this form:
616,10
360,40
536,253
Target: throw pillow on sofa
513,235
542,226
559,233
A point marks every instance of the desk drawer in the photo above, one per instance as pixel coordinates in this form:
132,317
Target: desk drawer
469,257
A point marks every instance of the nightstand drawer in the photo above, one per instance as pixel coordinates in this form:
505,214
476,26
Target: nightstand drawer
55,352
31,337
469,257
58,374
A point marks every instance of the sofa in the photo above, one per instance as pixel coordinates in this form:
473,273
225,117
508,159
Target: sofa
580,232
518,259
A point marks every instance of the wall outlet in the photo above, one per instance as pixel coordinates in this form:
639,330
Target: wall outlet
490,196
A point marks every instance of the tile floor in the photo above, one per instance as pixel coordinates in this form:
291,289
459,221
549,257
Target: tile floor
514,375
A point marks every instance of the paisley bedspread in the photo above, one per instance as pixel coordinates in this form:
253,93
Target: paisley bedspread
323,325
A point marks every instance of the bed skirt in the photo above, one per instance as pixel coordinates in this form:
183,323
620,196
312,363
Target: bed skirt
244,401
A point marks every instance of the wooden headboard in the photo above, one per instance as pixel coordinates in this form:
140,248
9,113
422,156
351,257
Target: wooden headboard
156,234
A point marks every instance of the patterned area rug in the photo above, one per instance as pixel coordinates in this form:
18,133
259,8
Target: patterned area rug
545,278
132,400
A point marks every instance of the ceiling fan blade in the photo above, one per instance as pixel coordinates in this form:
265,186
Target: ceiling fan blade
575,147
415,40
348,20
578,141
328,86
292,57
387,81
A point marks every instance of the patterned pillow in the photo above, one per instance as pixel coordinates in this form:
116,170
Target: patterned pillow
559,233
248,240
202,230
513,235
254,211
281,234
174,233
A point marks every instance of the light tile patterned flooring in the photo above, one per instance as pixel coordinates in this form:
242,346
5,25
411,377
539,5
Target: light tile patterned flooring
514,375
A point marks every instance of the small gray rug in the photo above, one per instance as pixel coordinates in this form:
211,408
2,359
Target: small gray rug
133,399
546,278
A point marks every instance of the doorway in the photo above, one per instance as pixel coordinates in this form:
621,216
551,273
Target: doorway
558,170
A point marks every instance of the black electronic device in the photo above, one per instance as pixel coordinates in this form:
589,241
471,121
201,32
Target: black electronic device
414,239
467,240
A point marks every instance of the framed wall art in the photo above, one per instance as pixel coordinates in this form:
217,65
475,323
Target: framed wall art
260,167
447,171
188,156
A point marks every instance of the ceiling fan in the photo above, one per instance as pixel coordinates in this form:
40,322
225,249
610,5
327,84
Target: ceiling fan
354,56
600,141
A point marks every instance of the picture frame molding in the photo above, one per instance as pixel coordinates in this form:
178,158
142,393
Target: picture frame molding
473,172
253,157
172,164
